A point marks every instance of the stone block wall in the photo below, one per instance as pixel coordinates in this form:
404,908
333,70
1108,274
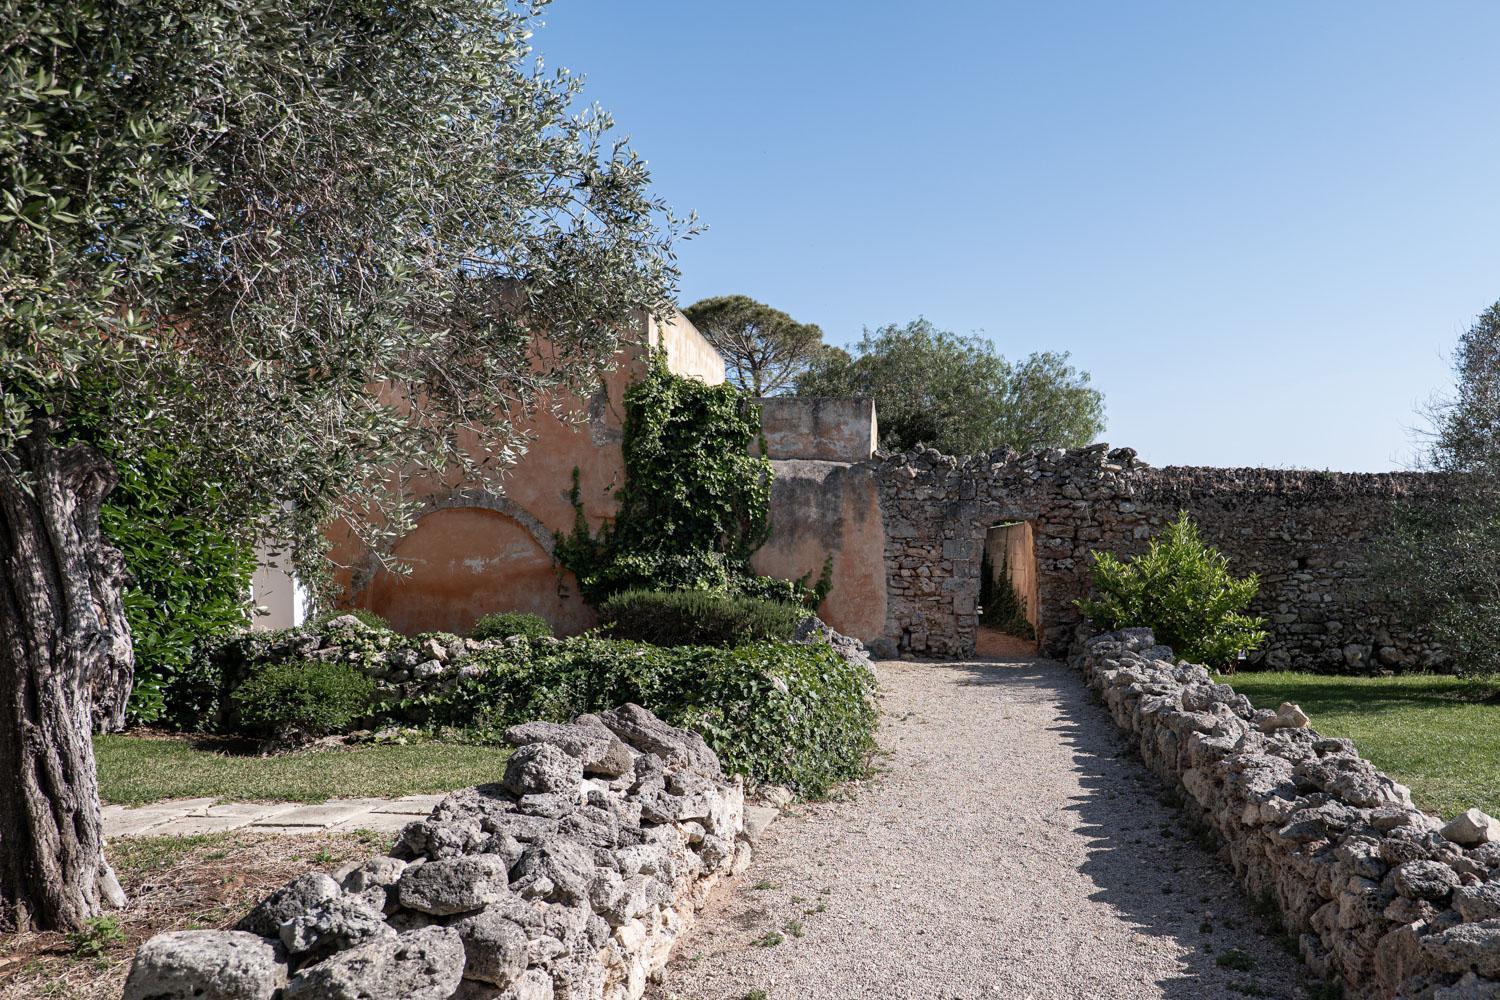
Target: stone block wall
570,879
1305,533
1377,893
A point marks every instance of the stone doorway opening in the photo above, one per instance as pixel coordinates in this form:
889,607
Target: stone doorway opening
1008,591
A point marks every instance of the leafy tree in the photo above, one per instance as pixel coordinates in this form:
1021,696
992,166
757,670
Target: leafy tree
764,349
305,246
957,394
1439,563
1182,590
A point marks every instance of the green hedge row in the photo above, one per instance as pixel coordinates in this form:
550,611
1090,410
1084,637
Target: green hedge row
694,618
790,714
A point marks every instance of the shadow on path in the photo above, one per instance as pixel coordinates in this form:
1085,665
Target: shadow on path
1146,862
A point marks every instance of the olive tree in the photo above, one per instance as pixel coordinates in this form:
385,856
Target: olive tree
1439,562
310,251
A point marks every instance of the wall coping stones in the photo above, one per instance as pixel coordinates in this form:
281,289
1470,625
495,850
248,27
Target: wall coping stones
1367,884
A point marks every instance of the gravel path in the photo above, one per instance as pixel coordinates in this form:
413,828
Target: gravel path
1010,848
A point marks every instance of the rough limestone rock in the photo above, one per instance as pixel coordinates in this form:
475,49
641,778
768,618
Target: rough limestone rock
1364,881
454,885
333,925
1467,947
495,947
678,748
1429,880
561,882
206,965
1288,716
1478,902
599,750
301,895
422,964
1472,828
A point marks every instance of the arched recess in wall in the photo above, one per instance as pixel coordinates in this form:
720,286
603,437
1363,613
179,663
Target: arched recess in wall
470,553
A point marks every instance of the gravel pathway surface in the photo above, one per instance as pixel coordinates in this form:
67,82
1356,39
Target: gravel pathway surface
1011,847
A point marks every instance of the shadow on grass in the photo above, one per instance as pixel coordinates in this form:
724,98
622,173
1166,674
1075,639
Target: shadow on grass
1319,693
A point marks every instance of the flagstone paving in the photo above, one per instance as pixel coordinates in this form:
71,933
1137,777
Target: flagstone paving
186,817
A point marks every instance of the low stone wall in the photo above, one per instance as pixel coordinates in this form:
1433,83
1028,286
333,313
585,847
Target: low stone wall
571,879
1374,890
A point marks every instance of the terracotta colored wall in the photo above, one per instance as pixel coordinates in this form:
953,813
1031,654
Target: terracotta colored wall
820,509
820,428
474,551
1012,546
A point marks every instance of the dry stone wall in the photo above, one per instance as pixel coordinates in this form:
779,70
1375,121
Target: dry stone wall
1306,534
1376,893
569,880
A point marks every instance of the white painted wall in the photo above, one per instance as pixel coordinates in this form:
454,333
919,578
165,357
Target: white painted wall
280,601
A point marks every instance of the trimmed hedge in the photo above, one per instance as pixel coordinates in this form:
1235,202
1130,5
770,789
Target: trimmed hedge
798,715
504,624
694,618
301,700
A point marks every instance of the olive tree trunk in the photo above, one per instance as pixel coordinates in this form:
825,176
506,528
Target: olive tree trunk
63,640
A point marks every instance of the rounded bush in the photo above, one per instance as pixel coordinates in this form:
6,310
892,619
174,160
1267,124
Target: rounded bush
503,625
367,618
301,699
693,618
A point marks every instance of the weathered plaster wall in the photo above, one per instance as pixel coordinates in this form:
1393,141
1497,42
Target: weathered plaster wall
1305,533
1011,549
822,509
474,551
820,428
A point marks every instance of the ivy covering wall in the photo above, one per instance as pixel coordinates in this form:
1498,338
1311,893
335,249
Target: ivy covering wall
695,502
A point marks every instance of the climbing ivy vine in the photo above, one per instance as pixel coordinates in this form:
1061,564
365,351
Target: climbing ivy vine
695,503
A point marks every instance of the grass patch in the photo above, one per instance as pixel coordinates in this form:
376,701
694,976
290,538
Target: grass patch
134,770
171,883
1438,735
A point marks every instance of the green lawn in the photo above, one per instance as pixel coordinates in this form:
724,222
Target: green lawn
134,770
1438,735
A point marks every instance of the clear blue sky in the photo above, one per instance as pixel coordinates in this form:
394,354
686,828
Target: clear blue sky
1261,227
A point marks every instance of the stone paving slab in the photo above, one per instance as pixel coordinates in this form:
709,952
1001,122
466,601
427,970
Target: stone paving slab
323,815
377,821
188,817
410,805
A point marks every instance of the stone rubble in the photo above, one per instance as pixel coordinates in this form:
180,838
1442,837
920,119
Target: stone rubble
569,880
1367,884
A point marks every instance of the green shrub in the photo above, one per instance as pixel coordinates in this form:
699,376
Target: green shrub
301,699
505,624
792,714
189,577
692,618
1182,590
367,618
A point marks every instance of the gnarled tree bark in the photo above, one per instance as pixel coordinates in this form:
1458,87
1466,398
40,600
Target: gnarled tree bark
63,636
